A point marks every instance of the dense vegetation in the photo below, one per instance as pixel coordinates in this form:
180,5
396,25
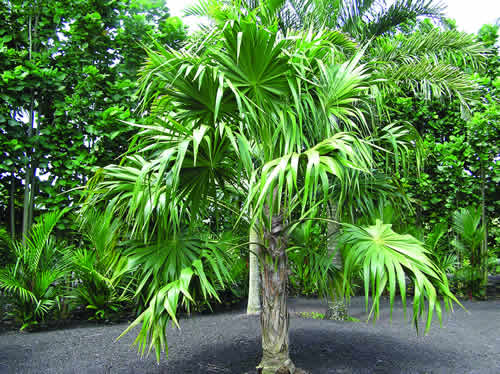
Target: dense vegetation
357,148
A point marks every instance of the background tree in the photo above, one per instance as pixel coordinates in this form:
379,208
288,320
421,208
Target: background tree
68,76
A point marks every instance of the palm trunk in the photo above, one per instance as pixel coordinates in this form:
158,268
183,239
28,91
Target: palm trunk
333,228
274,318
253,306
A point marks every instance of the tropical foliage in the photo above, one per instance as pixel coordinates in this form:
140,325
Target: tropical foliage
102,271
32,281
352,143
286,129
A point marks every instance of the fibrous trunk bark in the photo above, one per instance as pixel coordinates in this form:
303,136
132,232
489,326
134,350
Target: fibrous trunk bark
274,318
253,306
333,229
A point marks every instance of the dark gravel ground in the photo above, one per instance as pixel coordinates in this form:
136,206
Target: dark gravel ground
229,343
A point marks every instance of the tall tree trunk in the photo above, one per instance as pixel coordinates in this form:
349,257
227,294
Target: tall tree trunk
274,318
253,306
484,244
27,179
28,191
12,205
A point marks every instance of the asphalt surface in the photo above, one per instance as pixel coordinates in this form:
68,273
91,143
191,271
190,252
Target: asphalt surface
468,342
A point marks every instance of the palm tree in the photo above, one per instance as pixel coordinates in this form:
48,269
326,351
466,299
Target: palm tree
467,225
32,280
409,62
283,118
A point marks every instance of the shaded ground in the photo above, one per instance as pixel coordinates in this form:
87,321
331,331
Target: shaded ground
229,343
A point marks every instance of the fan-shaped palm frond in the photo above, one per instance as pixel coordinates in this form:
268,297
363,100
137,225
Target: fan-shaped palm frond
183,270
384,258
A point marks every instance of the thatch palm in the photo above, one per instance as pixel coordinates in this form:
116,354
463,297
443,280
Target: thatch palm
282,119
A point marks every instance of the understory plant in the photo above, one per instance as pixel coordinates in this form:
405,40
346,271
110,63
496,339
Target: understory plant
101,271
33,282
470,235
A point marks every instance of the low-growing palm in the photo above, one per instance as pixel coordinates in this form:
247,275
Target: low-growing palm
32,281
470,236
102,270
283,119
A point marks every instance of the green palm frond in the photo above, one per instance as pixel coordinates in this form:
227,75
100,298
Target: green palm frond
330,158
399,143
342,90
38,237
466,222
384,258
428,79
454,47
379,22
167,281
12,281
